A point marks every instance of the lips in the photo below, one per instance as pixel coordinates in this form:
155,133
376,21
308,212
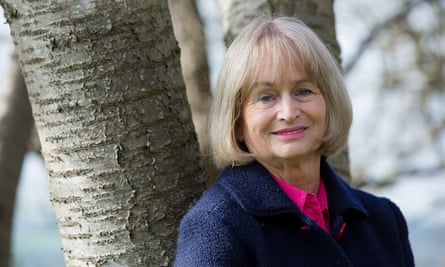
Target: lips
291,131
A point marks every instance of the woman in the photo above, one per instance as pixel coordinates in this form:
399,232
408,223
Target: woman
280,109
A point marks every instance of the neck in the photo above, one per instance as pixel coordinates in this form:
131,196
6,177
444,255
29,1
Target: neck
303,174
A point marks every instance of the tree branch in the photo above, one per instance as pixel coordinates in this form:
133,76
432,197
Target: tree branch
376,30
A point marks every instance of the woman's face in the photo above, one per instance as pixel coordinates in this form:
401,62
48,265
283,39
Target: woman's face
284,118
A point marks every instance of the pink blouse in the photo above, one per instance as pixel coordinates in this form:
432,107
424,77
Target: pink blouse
315,206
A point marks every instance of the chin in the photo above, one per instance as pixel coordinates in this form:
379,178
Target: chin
298,154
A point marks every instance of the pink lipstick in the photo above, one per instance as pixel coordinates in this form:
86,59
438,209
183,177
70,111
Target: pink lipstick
290,133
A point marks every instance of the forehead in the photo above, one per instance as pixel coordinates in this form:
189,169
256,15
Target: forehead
279,73
275,56
275,70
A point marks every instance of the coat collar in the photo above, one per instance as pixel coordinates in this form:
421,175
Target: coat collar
253,188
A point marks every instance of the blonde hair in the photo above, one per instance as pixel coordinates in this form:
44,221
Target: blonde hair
282,42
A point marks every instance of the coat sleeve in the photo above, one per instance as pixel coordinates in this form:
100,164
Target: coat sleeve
403,233
207,239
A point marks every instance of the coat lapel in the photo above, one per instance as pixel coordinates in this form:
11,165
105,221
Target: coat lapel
253,188
342,199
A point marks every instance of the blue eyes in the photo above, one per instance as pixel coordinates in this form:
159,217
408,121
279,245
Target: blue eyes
300,94
304,92
267,97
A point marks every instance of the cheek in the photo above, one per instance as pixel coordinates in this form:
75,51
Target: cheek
322,118
244,121
248,126
252,123
320,111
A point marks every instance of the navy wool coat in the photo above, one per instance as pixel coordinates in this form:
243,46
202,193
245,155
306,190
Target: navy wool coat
245,219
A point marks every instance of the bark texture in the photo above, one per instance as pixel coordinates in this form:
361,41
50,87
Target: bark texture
109,103
15,130
189,32
317,14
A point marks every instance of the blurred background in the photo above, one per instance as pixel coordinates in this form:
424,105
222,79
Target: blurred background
393,56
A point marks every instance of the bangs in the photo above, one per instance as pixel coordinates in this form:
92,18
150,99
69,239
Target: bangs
273,52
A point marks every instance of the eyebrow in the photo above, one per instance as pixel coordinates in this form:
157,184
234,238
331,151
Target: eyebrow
271,84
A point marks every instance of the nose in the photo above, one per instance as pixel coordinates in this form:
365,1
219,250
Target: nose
288,108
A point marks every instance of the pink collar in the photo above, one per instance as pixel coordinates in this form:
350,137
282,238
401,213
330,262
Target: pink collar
315,206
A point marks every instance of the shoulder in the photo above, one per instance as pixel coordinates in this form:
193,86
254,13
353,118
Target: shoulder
373,201
237,192
207,233
381,209
386,218
345,198
214,204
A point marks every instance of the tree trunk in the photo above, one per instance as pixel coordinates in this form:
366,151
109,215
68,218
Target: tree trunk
317,14
15,129
189,32
109,103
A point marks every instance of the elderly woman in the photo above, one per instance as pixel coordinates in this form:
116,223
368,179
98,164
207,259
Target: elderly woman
280,109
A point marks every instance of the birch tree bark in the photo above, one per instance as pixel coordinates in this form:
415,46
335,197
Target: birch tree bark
109,103
317,14
15,129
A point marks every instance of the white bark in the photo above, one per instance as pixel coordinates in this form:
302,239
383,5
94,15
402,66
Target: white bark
109,103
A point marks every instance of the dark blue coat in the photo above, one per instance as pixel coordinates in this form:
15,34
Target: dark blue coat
245,219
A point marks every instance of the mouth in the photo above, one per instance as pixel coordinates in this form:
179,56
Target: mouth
290,131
